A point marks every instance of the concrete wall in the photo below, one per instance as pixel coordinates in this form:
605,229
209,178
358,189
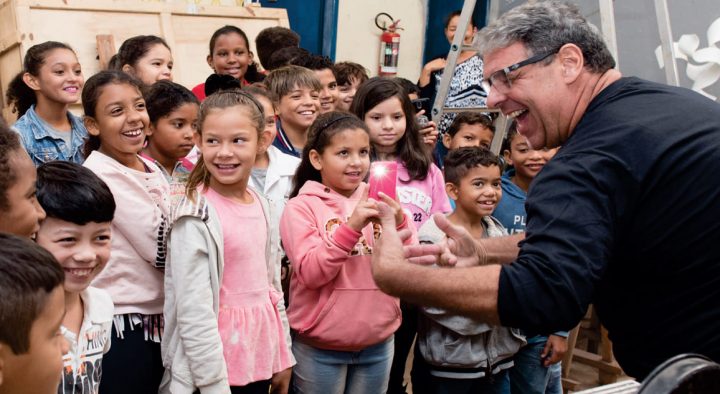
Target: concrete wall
358,39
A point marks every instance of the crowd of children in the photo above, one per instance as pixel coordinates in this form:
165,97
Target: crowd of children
219,240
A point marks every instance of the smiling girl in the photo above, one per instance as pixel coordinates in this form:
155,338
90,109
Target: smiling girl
226,326
117,121
51,80
230,55
344,324
146,58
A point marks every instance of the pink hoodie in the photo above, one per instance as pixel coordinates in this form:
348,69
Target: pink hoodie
334,302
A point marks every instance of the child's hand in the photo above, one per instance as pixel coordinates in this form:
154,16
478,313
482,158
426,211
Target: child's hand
280,382
435,65
428,132
395,206
364,212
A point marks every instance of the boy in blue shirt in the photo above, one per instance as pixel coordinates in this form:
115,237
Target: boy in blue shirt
537,368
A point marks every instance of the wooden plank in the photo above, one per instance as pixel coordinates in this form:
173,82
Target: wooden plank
596,361
80,27
105,49
8,28
10,66
9,41
568,357
191,45
24,27
157,7
187,28
168,33
569,384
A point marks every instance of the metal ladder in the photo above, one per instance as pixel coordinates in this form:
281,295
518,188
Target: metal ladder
439,108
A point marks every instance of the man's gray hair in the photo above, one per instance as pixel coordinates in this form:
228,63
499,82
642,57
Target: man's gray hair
545,26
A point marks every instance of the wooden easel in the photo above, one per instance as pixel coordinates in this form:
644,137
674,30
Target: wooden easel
598,353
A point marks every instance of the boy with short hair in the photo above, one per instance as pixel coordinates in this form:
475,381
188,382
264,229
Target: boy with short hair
466,355
349,76
297,91
31,310
470,129
467,129
80,209
526,163
322,66
533,372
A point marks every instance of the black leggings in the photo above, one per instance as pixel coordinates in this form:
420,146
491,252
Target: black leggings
133,365
261,387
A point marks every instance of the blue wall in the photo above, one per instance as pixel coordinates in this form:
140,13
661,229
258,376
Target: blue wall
314,20
435,42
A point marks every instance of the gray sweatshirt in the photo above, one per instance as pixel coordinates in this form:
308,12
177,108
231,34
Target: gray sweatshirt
460,347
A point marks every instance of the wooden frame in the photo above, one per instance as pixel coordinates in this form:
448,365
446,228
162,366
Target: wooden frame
186,27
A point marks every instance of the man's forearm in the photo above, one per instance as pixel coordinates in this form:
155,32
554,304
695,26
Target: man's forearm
465,291
500,250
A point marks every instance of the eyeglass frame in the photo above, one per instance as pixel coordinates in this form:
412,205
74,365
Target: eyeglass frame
487,83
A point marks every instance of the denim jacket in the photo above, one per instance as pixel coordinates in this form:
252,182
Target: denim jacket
42,146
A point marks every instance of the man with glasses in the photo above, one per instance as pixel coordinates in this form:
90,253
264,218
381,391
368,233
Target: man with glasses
626,216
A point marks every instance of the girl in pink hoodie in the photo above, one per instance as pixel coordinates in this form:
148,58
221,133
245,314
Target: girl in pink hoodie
343,324
386,108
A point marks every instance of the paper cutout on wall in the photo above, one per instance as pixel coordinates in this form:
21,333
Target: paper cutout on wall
703,64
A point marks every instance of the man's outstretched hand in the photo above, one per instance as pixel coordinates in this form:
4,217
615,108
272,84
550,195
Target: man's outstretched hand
388,252
459,250
469,291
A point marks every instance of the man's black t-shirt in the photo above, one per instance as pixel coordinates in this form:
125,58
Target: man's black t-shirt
627,217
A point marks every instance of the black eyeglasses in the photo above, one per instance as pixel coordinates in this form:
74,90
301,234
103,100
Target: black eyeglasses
500,79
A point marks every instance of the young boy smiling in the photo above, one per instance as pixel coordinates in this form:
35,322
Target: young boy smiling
80,208
464,354
533,372
297,90
31,308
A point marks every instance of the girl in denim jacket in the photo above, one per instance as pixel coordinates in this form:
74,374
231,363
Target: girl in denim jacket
41,95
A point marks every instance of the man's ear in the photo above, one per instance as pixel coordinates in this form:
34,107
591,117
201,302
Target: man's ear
31,81
91,126
571,62
452,190
315,160
150,130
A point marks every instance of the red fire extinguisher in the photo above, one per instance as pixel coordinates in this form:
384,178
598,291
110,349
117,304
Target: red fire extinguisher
389,45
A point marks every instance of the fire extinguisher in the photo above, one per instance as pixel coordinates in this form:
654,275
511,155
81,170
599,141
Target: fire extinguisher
389,45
